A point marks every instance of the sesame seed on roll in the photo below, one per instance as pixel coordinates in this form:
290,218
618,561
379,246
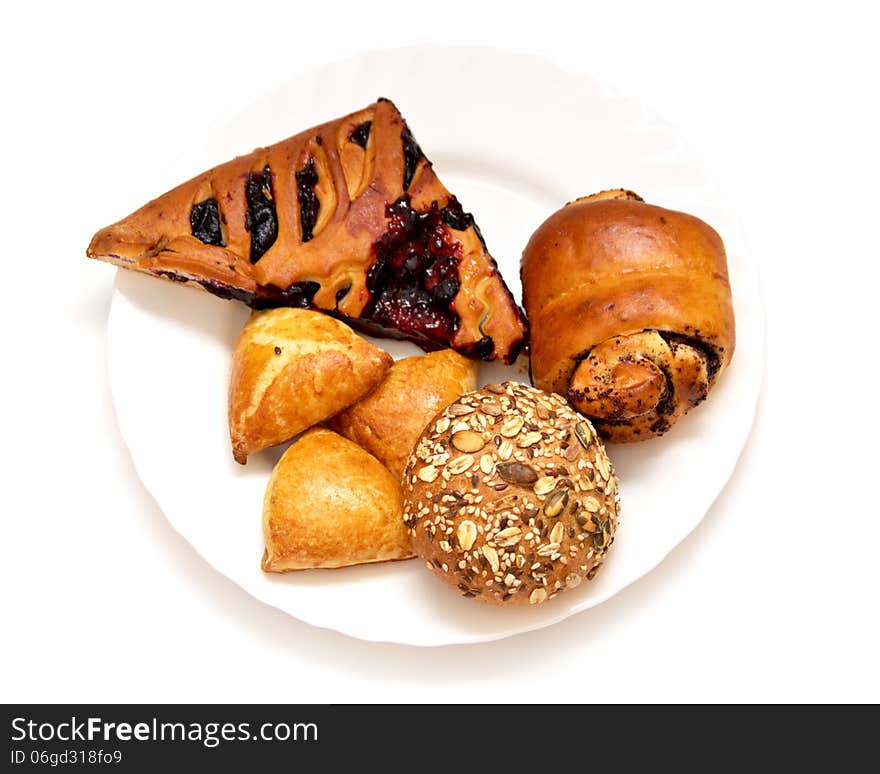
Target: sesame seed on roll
510,497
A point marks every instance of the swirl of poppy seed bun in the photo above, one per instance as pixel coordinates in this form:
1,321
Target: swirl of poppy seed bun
509,496
630,310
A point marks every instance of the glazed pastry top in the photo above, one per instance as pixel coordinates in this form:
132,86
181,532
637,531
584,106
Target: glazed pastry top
293,368
330,504
347,217
631,311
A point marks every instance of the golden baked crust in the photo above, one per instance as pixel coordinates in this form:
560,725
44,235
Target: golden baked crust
388,421
330,504
309,222
291,369
510,497
630,310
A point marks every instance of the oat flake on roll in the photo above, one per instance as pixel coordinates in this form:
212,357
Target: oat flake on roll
510,497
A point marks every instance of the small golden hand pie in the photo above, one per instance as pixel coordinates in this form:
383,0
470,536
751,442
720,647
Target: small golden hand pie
331,504
291,369
389,421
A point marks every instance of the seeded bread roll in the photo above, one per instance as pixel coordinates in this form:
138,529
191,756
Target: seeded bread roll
509,496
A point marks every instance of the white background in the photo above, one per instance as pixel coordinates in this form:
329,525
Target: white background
773,598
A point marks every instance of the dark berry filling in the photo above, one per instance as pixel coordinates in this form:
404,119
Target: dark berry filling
360,134
454,216
299,294
204,220
260,218
219,289
415,276
412,155
481,349
227,291
170,275
309,205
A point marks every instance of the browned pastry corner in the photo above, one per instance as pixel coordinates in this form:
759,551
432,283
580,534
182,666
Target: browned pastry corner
291,369
348,218
510,497
389,421
630,311
330,504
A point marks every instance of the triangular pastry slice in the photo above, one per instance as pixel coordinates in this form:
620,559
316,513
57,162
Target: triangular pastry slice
331,504
293,368
348,218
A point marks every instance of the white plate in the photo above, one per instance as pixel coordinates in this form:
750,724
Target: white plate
514,138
